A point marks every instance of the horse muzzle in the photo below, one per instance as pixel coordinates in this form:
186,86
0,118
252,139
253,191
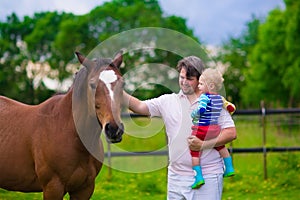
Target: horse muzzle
114,132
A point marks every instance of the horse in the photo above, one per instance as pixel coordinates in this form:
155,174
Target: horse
54,147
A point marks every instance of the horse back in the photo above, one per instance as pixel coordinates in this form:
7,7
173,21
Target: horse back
16,162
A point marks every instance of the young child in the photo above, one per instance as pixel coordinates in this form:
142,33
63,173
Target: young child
205,120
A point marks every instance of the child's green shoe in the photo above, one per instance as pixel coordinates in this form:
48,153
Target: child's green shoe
198,184
229,170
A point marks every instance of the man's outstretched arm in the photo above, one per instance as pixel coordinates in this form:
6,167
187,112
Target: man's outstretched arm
135,105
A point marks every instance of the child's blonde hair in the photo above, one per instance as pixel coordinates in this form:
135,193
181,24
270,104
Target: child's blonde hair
213,76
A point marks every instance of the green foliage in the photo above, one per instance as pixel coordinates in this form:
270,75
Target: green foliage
292,42
275,61
12,78
235,54
264,58
267,63
263,61
51,38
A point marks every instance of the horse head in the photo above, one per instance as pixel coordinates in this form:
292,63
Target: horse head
105,90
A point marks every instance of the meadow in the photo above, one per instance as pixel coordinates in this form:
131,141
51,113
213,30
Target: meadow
144,177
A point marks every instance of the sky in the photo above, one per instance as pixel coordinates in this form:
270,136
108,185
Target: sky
213,21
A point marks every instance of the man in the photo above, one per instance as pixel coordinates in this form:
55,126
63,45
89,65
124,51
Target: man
175,110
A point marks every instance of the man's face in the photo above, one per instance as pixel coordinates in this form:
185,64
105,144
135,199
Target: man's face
188,85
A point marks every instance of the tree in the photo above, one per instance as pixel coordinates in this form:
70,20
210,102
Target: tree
13,72
274,62
48,40
292,42
234,54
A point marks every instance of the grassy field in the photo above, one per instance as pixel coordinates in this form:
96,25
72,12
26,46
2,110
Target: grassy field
144,177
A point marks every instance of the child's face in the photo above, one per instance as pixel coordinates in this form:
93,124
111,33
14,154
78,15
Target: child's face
202,85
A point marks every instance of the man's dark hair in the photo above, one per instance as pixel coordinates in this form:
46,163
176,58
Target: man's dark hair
193,66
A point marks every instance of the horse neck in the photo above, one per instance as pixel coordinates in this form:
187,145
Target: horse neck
65,104
59,106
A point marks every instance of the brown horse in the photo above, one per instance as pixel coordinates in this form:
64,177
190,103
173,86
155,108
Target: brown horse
54,147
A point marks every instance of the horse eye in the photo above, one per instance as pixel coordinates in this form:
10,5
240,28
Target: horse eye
93,85
97,106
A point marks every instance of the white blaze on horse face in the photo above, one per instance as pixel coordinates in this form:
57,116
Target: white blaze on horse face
108,77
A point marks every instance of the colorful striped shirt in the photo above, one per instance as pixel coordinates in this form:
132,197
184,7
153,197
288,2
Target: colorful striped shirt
208,110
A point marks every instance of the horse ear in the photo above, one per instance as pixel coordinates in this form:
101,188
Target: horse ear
83,60
80,57
118,59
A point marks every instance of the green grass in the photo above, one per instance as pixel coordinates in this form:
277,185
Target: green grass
144,177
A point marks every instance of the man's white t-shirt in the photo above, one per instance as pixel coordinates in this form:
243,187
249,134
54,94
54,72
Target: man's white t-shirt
175,110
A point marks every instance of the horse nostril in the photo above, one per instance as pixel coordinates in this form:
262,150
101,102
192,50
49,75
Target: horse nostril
110,128
114,132
121,128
